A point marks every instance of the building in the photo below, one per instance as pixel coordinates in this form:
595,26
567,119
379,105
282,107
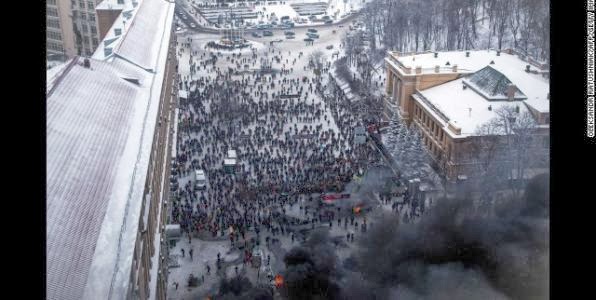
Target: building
449,96
85,25
72,27
109,136
60,38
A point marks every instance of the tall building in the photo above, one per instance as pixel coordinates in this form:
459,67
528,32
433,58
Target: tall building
72,27
60,39
450,96
109,137
85,26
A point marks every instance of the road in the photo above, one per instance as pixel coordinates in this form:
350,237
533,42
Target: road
203,29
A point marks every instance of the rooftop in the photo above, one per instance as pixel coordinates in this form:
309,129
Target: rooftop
468,108
100,124
466,61
464,108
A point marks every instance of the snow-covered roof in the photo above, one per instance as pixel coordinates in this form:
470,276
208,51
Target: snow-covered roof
99,130
476,60
465,108
112,4
114,36
53,74
137,45
468,108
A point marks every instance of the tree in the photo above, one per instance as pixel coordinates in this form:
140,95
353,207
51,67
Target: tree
515,130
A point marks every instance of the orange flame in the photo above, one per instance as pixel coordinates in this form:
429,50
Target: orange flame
357,209
279,280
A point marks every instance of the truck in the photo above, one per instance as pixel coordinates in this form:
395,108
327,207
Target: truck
200,179
230,162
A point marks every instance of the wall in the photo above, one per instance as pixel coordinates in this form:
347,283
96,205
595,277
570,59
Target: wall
105,20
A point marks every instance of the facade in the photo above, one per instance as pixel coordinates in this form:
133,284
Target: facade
84,22
451,96
109,137
59,29
72,27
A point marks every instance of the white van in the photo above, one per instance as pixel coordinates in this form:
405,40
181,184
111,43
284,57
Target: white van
200,179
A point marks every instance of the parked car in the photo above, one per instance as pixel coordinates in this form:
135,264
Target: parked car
312,30
312,35
329,47
267,33
193,25
256,34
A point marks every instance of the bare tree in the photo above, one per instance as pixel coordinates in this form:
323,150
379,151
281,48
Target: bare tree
516,128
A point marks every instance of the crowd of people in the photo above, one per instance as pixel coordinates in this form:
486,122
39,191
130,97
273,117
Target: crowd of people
285,136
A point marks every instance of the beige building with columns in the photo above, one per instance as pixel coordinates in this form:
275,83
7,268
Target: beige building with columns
449,95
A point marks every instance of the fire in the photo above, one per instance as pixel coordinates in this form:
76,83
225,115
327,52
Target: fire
357,209
279,280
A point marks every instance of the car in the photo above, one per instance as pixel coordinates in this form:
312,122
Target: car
193,25
312,30
256,34
312,35
178,28
267,33
290,37
341,26
329,22
184,17
329,47
308,40
200,179
289,33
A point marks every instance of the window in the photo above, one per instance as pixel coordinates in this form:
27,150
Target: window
93,30
83,15
53,23
88,52
86,40
85,28
90,4
95,43
51,2
545,142
52,11
54,35
81,3
54,46
92,17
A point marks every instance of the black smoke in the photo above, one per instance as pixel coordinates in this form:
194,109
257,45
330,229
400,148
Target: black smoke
311,269
456,253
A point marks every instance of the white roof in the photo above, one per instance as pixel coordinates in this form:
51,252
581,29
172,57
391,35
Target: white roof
99,132
465,108
229,161
455,103
137,45
53,74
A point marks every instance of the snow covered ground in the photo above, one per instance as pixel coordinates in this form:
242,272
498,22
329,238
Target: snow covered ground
205,250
